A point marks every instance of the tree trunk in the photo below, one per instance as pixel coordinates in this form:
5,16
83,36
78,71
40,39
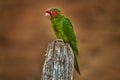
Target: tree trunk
59,62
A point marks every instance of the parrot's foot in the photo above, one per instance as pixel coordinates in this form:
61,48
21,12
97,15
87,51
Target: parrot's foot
59,40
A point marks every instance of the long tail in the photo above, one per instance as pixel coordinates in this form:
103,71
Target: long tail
75,51
76,65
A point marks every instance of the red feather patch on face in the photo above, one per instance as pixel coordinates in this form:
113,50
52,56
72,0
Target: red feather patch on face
54,14
51,12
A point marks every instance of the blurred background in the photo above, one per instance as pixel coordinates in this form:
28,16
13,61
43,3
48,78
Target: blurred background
25,34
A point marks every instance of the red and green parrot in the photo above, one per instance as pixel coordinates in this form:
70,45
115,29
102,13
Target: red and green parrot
63,29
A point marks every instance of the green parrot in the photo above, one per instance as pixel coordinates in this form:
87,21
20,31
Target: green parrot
63,29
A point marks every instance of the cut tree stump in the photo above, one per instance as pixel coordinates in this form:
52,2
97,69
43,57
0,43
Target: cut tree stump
59,62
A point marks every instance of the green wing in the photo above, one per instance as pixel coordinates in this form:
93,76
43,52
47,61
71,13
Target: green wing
69,32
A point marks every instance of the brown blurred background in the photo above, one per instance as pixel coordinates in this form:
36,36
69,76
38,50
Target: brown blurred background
25,33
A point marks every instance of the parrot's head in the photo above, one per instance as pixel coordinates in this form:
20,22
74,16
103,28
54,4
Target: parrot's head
52,13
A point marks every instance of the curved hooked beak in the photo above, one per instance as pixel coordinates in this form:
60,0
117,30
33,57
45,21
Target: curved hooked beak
48,15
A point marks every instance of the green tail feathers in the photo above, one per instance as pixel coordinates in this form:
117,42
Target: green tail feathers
76,66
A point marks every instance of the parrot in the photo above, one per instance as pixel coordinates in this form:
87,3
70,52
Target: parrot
63,30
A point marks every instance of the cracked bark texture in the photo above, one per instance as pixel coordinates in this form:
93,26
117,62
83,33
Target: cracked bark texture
59,62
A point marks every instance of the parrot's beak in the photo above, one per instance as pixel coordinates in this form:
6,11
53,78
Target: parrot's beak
48,15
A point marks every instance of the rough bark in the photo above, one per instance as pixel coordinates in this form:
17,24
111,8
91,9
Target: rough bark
59,62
